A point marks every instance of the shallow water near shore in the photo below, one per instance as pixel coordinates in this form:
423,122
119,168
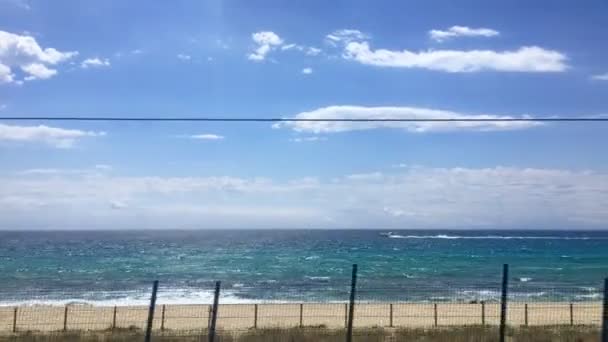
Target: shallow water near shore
117,267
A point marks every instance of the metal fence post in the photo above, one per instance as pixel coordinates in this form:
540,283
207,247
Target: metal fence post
571,314
351,313
301,315
15,320
114,318
162,318
216,298
151,312
65,318
255,316
526,314
345,315
435,313
390,316
483,312
605,313
503,302
209,314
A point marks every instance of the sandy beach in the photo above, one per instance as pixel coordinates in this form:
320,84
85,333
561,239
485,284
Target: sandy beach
330,315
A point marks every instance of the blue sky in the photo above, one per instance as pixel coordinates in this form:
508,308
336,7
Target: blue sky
424,59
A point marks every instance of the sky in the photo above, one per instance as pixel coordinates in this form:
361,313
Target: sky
303,59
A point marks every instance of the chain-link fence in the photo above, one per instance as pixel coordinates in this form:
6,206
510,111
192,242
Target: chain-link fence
406,311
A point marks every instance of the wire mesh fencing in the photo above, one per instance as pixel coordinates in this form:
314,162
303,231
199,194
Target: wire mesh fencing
404,310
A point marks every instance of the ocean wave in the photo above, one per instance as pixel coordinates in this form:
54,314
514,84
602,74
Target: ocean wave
524,279
134,298
494,237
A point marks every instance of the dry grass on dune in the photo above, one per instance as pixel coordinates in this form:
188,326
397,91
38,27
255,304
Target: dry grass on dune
457,334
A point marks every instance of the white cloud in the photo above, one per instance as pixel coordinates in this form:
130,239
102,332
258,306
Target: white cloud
345,36
313,138
525,59
184,57
417,197
6,75
53,136
265,42
600,77
307,50
360,112
206,136
312,51
38,71
461,31
23,52
307,71
23,4
103,167
94,62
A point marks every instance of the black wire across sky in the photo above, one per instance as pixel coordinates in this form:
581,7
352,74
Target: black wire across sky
207,119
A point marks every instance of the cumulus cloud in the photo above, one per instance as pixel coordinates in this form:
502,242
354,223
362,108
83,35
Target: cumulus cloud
420,197
38,71
52,136
307,71
361,112
599,77
94,63
184,57
265,41
206,136
24,52
461,31
524,59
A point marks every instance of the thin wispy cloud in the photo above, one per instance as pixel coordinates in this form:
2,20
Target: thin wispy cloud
51,136
345,36
184,57
22,52
461,31
600,77
524,59
314,138
362,112
307,71
206,136
307,50
95,63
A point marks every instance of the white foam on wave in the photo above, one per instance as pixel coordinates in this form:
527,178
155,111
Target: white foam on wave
137,298
493,237
525,279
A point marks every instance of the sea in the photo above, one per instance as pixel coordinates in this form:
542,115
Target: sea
255,266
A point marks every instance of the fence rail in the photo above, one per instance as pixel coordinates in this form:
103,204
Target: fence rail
361,307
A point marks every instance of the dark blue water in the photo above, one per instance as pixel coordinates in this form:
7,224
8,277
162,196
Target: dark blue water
109,266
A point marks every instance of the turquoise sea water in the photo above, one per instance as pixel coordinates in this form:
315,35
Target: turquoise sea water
109,267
